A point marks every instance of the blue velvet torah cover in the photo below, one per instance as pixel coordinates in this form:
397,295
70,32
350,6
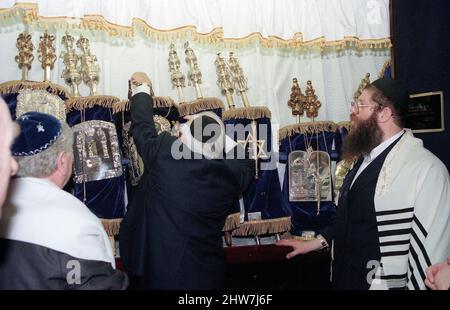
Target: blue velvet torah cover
105,198
264,194
304,214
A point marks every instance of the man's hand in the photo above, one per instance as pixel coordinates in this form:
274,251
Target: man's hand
139,78
438,276
300,246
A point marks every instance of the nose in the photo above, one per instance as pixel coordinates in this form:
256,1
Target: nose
14,166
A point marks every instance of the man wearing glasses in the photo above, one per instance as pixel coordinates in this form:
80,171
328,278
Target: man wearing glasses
393,212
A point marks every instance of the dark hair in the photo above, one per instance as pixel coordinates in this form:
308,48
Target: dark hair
399,112
202,122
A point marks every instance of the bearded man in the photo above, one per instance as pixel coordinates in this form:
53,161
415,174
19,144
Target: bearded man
393,215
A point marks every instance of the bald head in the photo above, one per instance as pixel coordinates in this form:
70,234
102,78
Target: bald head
8,166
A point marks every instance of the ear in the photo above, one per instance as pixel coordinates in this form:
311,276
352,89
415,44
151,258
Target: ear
385,114
63,163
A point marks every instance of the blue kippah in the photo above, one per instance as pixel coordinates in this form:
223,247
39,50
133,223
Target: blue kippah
38,131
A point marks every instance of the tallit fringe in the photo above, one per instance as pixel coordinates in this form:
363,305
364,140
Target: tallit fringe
252,113
111,226
346,125
81,103
232,221
262,227
200,105
12,87
306,128
158,102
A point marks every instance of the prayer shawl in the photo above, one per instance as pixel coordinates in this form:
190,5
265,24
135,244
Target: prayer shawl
40,213
412,203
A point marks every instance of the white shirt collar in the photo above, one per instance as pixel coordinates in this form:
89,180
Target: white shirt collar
382,146
144,88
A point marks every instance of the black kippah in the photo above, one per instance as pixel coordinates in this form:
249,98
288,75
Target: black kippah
395,91
199,132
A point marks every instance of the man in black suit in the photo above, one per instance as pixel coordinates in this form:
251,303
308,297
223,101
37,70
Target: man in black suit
170,237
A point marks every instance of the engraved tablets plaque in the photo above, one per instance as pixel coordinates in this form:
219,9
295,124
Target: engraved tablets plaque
309,175
96,151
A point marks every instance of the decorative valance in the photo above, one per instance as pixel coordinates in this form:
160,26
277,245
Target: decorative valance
233,24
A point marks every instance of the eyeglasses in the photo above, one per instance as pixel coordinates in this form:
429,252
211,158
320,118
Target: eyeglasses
357,105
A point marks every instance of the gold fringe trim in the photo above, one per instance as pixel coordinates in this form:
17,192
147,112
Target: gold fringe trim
252,113
385,66
200,105
121,106
163,102
111,226
113,244
12,87
262,227
347,125
158,102
306,128
28,13
81,103
232,221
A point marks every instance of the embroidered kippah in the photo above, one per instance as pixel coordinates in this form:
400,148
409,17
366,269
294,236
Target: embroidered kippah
38,131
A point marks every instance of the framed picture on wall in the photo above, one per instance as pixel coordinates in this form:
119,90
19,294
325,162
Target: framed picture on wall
426,112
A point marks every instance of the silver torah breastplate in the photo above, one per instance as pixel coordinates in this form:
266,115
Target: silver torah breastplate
96,151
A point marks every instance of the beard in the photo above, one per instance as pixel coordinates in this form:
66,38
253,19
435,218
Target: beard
362,139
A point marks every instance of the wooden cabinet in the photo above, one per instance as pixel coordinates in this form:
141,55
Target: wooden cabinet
266,267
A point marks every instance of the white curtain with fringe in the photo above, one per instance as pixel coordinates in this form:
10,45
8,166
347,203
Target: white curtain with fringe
335,74
332,19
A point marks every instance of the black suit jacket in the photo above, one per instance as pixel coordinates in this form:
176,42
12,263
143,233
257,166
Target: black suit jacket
171,234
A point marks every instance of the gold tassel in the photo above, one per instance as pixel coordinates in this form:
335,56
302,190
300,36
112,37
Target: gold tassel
262,227
121,106
12,87
81,103
252,113
200,105
306,128
163,102
113,244
112,226
232,221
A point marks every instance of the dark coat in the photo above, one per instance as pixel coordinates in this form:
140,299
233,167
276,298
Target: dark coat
171,234
29,266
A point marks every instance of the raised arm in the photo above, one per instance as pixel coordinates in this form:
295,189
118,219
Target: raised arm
142,125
